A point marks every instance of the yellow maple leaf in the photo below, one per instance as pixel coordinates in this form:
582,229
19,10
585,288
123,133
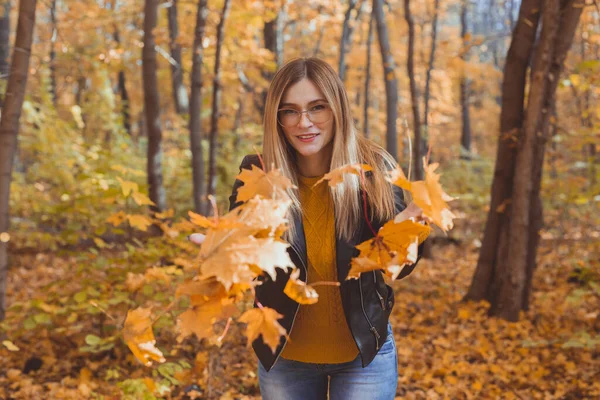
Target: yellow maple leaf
127,186
266,185
138,335
141,199
263,321
157,274
336,176
201,220
140,222
117,218
397,177
299,291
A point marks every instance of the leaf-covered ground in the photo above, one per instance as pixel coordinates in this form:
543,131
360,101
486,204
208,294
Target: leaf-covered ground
446,349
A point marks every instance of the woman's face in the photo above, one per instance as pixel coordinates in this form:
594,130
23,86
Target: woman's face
308,137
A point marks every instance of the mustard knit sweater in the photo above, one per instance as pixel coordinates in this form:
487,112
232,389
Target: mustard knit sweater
320,333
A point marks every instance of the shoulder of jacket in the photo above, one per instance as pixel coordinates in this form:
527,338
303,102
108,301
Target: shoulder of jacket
249,160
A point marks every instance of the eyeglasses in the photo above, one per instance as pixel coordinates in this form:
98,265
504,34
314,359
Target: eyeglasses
318,114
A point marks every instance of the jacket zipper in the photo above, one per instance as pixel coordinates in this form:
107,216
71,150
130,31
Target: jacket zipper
377,291
297,308
362,304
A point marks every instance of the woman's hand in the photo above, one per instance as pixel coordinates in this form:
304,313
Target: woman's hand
197,238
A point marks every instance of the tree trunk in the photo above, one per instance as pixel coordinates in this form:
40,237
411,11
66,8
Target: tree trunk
152,109
123,90
179,92
346,38
511,119
52,64
216,100
368,78
514,261
465,137
9,129
4,47
430,65
389,76
410,66
273,37
196,109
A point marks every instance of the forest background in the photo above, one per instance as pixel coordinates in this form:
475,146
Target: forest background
128,113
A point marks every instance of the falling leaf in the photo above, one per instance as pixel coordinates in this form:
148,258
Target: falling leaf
138,335
299,291
259,183
201,316
336,176
263,321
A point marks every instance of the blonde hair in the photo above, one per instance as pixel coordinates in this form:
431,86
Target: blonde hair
348,148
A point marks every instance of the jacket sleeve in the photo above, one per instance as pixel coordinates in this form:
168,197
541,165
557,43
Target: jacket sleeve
236,185
400,206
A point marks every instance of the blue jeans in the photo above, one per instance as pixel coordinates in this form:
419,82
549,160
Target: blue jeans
294,380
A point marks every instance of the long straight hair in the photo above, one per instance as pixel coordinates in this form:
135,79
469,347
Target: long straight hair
348,148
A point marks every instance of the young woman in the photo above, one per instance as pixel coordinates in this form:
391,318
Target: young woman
343,345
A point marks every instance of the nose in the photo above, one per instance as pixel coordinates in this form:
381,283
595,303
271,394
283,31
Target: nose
304,121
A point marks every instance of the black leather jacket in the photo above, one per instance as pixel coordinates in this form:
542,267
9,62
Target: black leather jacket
367,301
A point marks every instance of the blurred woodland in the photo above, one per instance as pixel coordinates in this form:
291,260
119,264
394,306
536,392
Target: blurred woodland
119,117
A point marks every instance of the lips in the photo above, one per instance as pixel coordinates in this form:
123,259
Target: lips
307,137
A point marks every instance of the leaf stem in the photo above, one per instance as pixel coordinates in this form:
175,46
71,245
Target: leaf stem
324,283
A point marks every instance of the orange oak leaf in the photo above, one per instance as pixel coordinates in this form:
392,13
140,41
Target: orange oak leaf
263,321
266,185
299,291
138,335
336,176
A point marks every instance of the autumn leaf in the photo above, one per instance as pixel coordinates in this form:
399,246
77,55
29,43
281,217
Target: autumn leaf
397,177
141,199
336,176
431,198
259,183
201,316
299,291
201,220
140,222
134,282
127,186
263,321
395,245
138,335
117,218
231,264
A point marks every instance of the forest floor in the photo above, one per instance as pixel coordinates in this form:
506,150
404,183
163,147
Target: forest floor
446,348
58,343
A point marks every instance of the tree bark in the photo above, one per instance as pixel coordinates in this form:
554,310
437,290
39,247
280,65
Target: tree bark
152,109
511,117
346,39
430,65
196,109
122,84
9,129
368,78
273,37
4,45
465,138
410,66
214,119
180,97
389,76
52,65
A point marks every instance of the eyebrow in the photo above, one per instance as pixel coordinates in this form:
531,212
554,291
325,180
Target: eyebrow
296,105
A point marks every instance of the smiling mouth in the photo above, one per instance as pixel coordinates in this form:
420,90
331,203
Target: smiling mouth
310,136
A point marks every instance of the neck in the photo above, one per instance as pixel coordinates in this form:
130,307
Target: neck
315,164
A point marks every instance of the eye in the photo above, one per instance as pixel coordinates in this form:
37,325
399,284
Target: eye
287,112
318,107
